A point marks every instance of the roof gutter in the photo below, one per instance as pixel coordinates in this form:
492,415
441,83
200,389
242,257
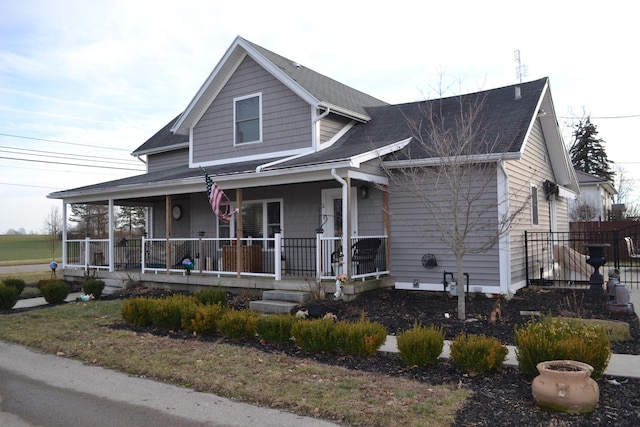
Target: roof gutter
435,161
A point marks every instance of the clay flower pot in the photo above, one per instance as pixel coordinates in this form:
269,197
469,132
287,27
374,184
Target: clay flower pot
565,386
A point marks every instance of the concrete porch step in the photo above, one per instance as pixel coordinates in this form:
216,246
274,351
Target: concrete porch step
272,307
297,297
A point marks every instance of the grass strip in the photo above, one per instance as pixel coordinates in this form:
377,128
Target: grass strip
83,331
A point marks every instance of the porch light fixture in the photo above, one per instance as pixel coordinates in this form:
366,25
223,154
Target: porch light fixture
364,192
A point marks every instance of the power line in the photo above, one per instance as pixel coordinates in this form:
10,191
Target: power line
72,164
70,156
62,142
27,185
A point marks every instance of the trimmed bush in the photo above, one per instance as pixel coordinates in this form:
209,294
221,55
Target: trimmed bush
137,311
93,287
211,297
237,324
19,284
561,339
8,296
55,292
362,338
478,354
205,319
315,336
421,346
167,313
275,327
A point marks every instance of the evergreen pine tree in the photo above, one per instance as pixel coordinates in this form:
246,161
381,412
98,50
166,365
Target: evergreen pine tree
587,151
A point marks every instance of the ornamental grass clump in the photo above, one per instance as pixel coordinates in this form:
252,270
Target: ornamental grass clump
55,292
238,324
275,328
137,311
561,339
211,296
8,296
421,346
19,284
167,313
93,287
205,319
362,338
478,354
315,336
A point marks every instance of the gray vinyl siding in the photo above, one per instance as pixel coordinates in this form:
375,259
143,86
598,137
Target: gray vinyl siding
286,118
414,234
330,126
533,168
167,160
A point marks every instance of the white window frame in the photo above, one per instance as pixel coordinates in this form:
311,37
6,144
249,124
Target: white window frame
235,122
535,205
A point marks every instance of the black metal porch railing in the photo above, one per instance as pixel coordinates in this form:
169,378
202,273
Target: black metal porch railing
560,258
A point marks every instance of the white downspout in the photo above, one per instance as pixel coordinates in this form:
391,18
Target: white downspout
345,216
504,241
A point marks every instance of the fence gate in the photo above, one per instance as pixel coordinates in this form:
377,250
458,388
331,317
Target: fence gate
560,258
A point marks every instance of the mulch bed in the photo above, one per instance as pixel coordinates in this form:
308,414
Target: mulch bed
500,398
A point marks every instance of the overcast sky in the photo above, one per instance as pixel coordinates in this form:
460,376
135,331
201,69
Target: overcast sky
87,82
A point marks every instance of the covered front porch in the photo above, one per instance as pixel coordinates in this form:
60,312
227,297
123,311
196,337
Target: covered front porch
264,263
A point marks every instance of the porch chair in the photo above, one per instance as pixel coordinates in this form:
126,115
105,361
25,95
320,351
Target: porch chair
364,253
631,249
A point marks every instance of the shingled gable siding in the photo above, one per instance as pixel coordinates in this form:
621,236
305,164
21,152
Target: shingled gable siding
166,160
409,244
532,168
286,118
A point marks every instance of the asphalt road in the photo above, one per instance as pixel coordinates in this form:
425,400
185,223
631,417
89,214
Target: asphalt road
47,390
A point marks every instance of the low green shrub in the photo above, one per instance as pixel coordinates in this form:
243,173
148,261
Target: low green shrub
237,324
8,296
93,287
421,346
167,313
362,338
478,353
19,284
561,339
55,292
211,296
275,327
205,318
137,311
315,336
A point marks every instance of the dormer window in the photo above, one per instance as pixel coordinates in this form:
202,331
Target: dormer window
248,119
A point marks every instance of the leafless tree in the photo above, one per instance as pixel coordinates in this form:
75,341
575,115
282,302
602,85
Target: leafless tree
584,210
53,229
452,170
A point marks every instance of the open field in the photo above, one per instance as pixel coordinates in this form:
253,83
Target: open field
27,249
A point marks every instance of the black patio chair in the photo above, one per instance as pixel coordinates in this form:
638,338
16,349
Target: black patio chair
364,254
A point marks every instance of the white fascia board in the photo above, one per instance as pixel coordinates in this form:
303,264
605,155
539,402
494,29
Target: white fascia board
262,156
356,161
481,158
163,149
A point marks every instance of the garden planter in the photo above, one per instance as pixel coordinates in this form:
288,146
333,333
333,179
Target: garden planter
565,386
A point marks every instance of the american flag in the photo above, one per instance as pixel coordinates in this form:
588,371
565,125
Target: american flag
216,195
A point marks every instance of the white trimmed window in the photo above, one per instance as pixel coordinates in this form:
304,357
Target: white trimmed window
247,117
259,219
535,219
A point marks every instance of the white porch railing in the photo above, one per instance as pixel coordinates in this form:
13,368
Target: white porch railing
277,257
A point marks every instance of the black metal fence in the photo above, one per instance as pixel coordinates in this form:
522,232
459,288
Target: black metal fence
560,258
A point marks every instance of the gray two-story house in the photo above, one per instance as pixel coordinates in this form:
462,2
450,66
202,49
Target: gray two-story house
309,168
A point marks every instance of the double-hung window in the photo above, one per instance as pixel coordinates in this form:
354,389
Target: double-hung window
247,117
